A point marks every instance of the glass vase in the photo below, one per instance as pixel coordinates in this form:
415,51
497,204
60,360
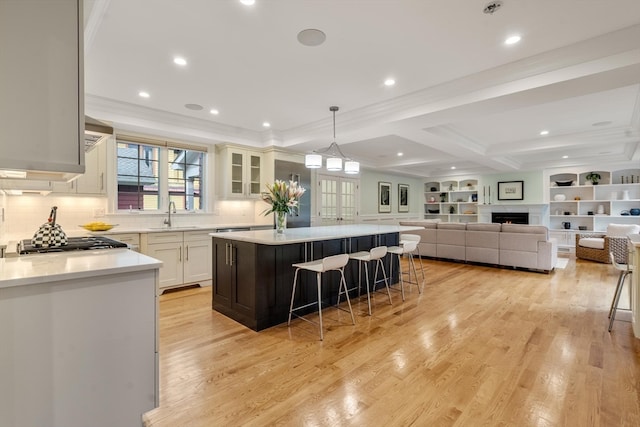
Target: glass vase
281,222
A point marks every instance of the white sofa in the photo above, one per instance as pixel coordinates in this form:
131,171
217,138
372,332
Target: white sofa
509,245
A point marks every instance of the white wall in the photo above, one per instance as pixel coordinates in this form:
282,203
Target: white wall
369,194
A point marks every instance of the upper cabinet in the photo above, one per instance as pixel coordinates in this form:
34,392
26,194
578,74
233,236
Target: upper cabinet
241,172
93,181
42,101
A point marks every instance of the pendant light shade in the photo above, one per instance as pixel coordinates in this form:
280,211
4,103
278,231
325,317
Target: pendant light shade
334,155
334,164
351,167
313,161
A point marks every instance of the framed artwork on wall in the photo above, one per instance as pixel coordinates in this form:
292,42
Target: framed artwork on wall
384,197
511,190
403,198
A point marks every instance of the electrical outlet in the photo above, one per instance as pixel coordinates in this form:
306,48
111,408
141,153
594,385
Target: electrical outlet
98,213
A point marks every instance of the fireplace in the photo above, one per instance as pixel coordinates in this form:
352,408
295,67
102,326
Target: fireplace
510,217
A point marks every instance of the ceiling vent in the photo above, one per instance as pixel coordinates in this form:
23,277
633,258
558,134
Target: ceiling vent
95,132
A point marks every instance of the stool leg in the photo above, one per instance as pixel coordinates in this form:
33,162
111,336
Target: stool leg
421,264
616,299
384,275
401,273
415,273
319,279
618,284
293,294
366,274
343,283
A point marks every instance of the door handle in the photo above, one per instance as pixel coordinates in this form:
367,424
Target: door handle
226,254
186,255
230,254
180,253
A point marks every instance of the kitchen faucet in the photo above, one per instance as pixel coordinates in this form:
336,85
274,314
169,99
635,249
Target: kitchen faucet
167,221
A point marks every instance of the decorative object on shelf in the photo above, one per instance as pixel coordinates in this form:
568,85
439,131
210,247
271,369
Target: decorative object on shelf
590,213
625,213
625,195
433,211
559,197
474,198
284,199
566,225
634,211
333,153
450,187
511,190
594,177
403,198
576,198
433,189
564,183
600,209
384,197
432,199
470,186
582,227
452,209
470,199
443,197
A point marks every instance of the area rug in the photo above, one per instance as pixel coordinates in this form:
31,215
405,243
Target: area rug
561,263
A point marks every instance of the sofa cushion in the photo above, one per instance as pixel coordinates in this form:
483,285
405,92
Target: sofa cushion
452,226
622,230
482,226
592,242
528,229
426,223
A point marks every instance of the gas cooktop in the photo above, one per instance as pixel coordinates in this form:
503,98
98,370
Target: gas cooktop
75,244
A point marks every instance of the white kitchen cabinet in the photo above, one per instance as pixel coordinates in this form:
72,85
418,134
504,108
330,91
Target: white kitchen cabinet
42,102
93,181
241,172
186,256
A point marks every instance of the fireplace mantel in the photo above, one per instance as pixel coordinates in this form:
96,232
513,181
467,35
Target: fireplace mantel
537,211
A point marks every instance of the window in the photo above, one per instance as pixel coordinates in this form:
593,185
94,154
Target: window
138,180
185,178
143,184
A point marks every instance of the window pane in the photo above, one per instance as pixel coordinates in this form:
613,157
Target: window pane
185,173
137,176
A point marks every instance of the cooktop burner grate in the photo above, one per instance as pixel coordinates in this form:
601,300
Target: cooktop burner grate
75,244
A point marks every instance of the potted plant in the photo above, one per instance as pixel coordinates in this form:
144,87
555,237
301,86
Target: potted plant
594,177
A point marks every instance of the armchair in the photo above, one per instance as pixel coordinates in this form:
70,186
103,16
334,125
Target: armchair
596,246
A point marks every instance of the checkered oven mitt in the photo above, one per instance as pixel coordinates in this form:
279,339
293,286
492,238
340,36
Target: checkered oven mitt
50,234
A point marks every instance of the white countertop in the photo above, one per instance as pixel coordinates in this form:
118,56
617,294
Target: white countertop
310,234
199,227
57,266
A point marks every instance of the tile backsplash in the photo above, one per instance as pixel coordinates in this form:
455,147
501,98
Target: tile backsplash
24,214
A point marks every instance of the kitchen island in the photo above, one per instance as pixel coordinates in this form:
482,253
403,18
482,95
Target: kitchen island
253,276
78,338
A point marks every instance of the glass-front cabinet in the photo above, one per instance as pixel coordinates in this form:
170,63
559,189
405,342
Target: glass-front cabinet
240,172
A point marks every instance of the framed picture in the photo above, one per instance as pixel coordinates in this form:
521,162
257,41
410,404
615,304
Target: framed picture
403,198
511,190
384,197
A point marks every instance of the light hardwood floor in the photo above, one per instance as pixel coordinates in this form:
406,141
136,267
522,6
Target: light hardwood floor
480,347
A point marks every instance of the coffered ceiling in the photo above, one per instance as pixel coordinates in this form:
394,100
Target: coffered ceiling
462,97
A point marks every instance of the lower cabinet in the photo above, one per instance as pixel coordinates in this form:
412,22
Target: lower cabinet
186,256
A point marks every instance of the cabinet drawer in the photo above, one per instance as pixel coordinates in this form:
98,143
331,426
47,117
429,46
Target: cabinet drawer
164,237
197,236
128,238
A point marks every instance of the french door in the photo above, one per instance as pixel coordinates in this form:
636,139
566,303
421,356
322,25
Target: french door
337,200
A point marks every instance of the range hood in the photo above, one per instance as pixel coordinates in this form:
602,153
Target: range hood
95,132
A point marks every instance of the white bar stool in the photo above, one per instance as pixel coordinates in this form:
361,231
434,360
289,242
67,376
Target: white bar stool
625,270
404,238
375,254
407,248
335,262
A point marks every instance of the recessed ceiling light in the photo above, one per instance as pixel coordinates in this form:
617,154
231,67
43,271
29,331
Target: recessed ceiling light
143,94
512,40
453,167
604,123
544,132
266,124
214,111
248,2
389,82
400,154
565,157
194,107
311,37
179,61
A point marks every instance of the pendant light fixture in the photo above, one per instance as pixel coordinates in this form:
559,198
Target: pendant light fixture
334,155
